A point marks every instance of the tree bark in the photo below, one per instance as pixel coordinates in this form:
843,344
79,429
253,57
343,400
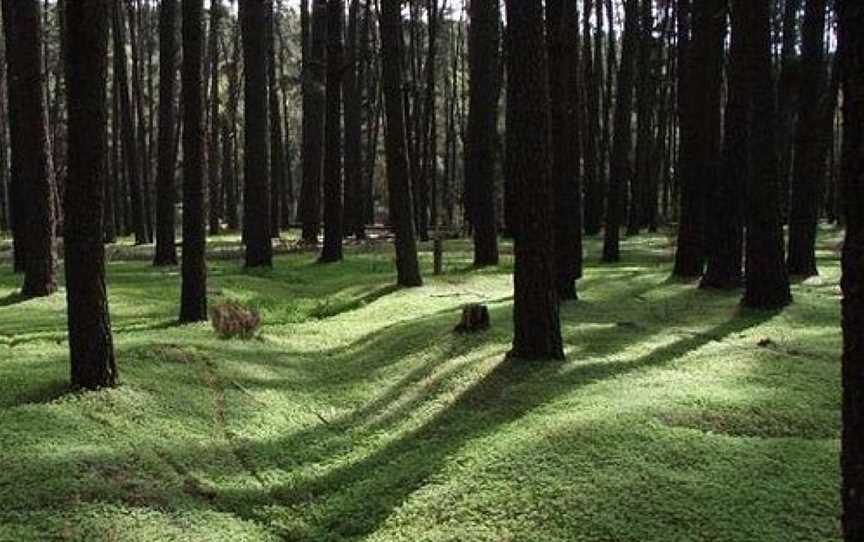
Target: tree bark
313,78
851,47
483,55
166,253
193,306
333,208
398,180
90,342
214,126
256,215
537,327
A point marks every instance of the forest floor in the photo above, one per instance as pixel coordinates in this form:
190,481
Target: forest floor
358,415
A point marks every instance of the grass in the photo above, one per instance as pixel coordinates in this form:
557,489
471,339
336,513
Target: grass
358,415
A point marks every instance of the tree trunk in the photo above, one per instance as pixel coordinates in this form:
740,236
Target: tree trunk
332,249
398,180
90,342
193,305
537,327
809,158
593,71
788,94
621,168
230,181
256,214
314,73
214,126
851,45
127,128
33,191
352,90
767,281
166,253
483,47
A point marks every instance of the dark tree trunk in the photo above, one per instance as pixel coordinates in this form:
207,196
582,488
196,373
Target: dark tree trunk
483,54
127,128
90,343
214,126
621,168
277,150
643,208
314,74
136,40
562,36
809,158
256,214
537,327
5,223
193,305
700,133
593,70
725,214
230,181
33,192
352,89
398,180
332,249
166,253
788,93
767,282
851,43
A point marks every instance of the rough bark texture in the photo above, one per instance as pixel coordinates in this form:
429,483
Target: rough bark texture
593,71
314,73
332,249
398,180
32,178
562,36
851,43
537,326
277,149
256,214
214,207
809,158
483,55
166,253
90,344
699,161
767,282
353,94
725,214
193,302
621,168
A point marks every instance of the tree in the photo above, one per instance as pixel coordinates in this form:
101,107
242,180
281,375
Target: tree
483,54
593,73
213,126
562,36
700,132
766,281
127,128
537,327
353,85
621,168
851,48
725,214
90,343
193,306
314,74
809,157
277,149
166,253
33,197
332,249
256,215
398,180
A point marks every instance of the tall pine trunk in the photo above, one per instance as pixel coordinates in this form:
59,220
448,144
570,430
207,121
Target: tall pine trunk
313,78
333,208
166,253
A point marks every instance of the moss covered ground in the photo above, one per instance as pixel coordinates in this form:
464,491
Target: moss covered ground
358,415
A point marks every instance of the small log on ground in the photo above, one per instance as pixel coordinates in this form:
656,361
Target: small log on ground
475,317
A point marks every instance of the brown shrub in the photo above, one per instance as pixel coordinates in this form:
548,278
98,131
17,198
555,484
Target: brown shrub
232,320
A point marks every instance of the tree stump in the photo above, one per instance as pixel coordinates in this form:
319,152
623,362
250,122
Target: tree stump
475,318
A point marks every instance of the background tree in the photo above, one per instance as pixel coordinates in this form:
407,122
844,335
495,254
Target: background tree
277,149
256,155
537,327
766,281
480,153
193,306
90,343
398,179
313,76
214,192
809,156
166,253
333,209
34,204
851,49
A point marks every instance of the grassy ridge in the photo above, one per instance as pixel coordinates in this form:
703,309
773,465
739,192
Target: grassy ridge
358,415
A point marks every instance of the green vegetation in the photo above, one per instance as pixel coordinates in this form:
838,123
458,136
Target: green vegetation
357,414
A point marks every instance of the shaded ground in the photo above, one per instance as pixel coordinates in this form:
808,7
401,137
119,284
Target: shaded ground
358,415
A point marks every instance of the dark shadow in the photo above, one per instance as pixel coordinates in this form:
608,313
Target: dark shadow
43,393
13,299
329,311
